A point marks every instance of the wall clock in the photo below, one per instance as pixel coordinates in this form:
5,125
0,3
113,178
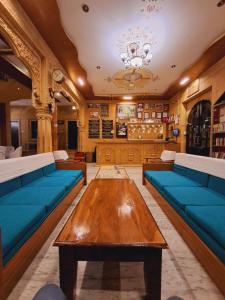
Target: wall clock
58,76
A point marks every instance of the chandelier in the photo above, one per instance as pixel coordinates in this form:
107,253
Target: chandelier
136,56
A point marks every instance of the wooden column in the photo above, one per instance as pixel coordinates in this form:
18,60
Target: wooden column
55,129
44,140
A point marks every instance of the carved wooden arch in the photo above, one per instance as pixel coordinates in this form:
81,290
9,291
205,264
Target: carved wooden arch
29,57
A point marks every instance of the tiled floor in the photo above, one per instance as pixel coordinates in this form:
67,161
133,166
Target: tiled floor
181,273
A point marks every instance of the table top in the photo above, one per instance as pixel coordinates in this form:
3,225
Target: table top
111,212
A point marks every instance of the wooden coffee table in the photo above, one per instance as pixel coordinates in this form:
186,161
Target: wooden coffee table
111,223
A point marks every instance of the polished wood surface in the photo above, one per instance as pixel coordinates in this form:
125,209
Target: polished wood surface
131,152
111,223
15,268
213,266
111,212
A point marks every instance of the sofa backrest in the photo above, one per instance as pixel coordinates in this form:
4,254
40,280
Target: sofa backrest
15,167
208,165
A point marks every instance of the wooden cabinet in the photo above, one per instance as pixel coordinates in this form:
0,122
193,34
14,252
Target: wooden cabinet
131,153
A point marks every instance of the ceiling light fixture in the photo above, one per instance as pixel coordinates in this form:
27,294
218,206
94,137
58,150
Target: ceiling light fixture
184,80
80,81
127,97
136,56
73,107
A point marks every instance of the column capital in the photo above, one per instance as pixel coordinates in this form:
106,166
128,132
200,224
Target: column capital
43,114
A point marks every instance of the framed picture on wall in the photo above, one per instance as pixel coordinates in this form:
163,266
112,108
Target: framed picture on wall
139,115
126,111
104,110
159,115
153,114
146,115
140,107
147,106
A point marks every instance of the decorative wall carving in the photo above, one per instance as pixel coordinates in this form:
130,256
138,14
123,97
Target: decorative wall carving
29,58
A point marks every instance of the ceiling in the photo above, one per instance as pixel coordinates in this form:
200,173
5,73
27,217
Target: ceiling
179,31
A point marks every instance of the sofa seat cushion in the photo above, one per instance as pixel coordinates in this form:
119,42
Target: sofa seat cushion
66,182
211,219
16,221
194,196
169,178
44,196
63,173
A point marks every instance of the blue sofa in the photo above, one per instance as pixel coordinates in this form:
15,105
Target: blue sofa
197,196
27,201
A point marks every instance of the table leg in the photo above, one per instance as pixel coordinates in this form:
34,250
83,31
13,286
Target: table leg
152,273
67,271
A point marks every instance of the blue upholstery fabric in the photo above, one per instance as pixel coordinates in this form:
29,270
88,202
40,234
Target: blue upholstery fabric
65,182
49,169
16,221
62,173
169,178
179,169
217,184
44,196
196,196
31,176
211,219
197,176
9,186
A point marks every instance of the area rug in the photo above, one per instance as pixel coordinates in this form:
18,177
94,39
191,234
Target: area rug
112,172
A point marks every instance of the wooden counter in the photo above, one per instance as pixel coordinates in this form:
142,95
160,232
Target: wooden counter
131,152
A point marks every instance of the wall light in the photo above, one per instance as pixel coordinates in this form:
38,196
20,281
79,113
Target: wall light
80,81
73,107
184,80
127,97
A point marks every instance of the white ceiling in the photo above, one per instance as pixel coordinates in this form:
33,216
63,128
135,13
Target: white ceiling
180,32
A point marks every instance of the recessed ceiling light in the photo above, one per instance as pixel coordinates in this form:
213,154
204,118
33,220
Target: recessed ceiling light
80,81
220,3
127,97
85,8
73,107
184,80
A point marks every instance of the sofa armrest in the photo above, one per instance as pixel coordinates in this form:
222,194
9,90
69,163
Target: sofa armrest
71,165
156,166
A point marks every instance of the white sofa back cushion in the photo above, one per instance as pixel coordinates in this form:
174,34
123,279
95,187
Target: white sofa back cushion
60,155
212,166
168,155
12,168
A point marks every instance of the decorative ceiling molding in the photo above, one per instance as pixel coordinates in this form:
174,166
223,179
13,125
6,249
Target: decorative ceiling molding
45,15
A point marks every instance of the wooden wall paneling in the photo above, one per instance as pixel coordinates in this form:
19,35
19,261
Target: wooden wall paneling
213,266
3,135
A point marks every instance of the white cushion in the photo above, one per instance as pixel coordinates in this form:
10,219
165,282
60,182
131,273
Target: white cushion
209,165
168,155
14,167
60,155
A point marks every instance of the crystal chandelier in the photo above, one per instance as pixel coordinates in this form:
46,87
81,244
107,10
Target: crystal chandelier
136,56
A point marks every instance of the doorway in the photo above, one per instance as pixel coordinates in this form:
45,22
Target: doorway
15,133
72,135
198,129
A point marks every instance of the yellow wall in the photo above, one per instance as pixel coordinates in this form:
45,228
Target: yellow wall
211,87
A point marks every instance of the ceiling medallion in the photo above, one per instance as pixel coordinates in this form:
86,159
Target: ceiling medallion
150,6
133,78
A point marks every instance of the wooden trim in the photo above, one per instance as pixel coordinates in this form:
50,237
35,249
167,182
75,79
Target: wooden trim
157,166
71,165
211,263
15,268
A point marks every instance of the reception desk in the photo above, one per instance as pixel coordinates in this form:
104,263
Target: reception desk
131,152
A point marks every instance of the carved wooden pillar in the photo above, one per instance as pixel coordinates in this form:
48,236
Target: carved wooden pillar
55,129
44,140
